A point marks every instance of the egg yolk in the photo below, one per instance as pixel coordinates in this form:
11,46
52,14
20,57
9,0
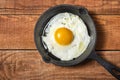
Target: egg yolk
63,36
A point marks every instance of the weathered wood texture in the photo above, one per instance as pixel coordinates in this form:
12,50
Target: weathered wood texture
39,6
17,31
20,61
28,65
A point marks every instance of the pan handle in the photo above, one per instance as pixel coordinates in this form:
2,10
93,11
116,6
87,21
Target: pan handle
115,71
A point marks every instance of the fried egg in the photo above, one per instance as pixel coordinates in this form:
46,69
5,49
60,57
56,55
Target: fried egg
66,36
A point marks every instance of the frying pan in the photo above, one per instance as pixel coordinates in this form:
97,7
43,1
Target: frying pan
89,53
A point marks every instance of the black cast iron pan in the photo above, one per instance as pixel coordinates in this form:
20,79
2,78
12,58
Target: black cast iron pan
89,53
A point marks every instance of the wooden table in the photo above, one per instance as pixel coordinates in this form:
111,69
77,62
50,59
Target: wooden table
19,59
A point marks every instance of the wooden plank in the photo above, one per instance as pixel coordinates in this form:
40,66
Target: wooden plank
17,31
107,32
28,65
39,6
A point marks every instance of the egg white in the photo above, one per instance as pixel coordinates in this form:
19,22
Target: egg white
79,29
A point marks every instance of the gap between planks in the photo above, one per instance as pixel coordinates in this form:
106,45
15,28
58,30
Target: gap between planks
43,12
37,50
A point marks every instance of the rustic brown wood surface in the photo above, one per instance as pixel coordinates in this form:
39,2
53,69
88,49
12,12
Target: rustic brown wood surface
19,59
28,65
38,6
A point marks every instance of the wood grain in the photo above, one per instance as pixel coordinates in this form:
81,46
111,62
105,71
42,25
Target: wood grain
19,59
28,65
39,6
17,31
